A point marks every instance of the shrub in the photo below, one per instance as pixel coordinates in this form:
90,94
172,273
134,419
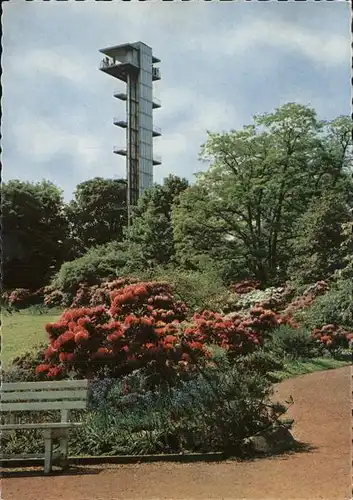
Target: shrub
101,262
22,368
199,290
23,297
294,342
237,334
244,287
216,410
332,337
272,298
141,329
56,298
308,297
96,295
334,307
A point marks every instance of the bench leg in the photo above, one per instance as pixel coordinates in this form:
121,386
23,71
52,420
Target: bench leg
48,454
64,445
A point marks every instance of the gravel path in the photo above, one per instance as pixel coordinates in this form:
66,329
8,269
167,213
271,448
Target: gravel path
322,413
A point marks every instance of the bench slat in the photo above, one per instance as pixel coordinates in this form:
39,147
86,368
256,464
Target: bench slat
47,425
44,405
42,395
60,384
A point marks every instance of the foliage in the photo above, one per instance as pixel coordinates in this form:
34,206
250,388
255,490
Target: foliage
97,295
145,328
260,181
101,262
214,411
347,249
273,298
34,233
199,289
333,307
97,214
151,231
300,303
245,286
23,297
332,337
22,368
317,246
295,343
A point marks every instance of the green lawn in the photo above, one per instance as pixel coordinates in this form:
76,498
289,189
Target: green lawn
22,332
293,368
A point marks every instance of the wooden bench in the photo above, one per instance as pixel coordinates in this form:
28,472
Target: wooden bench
64,395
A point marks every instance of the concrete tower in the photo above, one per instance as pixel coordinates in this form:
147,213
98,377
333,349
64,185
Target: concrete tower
133,63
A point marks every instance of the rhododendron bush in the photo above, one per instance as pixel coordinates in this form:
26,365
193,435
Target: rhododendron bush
237,334
145,327
332,337
140,329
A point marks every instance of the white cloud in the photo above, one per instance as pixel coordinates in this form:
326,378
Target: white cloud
44,141
322,49
56,62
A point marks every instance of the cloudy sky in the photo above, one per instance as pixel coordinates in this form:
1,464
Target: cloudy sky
221,64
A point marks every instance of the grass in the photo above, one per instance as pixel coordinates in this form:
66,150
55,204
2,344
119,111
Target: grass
23,331
294,368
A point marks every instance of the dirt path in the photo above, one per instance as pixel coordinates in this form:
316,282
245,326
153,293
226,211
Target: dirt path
322,412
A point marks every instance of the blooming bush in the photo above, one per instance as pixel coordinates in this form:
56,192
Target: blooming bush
141,329
22,297
332,337
145,327
244,287
99,294
306,299
237,334
55,298
273,298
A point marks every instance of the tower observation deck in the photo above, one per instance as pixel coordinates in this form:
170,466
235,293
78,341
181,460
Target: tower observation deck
133,63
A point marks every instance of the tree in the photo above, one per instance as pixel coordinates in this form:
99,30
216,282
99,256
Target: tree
318,243
151,231
260,180
34,234
98,213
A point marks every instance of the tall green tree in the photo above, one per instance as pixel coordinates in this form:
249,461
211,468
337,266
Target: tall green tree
259,181
317,248
97,214
34,233
151,233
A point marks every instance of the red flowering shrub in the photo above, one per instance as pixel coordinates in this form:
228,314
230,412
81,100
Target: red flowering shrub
55,298
332,337
150,298
93,295
306,299
245,286
22,297
141,329
237,334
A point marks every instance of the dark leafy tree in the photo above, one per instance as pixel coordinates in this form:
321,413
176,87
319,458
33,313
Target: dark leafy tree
34,233
97,214
318,244
151,232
